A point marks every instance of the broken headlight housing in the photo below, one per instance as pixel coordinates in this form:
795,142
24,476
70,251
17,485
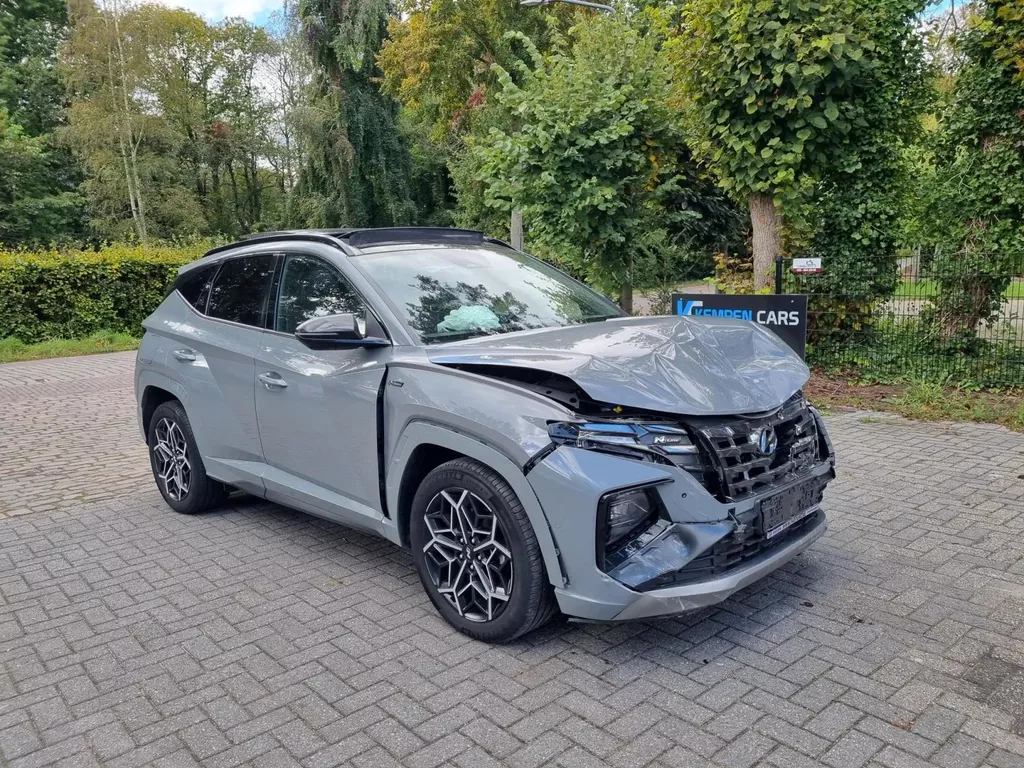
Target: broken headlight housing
646,441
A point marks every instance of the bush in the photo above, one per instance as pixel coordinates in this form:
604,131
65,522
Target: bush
51,295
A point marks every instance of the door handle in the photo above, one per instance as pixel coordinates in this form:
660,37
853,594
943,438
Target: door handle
272,381
184,355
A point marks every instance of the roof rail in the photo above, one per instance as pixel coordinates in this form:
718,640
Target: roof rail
362,238
271,237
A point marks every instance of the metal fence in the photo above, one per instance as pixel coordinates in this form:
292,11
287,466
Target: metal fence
955,321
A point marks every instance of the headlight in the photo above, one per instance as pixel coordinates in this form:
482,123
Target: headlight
624,515
664,443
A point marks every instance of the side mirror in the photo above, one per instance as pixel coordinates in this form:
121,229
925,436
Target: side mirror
345,330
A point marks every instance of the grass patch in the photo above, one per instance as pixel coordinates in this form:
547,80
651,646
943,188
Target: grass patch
13,350
926,288
922,400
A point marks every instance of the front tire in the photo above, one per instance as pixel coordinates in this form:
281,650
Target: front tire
477,554
177,466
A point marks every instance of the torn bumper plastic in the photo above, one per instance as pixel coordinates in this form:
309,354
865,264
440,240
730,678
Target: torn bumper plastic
689,597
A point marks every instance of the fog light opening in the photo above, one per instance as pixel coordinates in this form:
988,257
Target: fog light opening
624,515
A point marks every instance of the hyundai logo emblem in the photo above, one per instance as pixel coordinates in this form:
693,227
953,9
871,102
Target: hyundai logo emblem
767,441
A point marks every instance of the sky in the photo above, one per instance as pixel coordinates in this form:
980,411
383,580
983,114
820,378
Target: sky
256,11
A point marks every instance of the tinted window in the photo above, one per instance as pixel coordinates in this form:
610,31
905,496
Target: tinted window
239,288
311,288
194,286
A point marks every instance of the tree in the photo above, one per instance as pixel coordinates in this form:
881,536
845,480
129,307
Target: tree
773,91
174,121
976,206
107,61
437,60
357,168
852,215
34,210
292,72
38,177
596,160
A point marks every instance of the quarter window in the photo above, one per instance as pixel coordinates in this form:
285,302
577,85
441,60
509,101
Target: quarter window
311,288
194,286
240,289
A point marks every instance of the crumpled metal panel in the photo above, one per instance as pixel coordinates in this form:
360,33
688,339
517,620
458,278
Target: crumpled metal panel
697,366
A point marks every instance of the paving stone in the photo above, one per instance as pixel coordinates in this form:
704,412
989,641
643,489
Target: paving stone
258,636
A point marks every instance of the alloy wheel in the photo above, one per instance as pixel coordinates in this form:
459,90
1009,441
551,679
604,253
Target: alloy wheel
170,451
468,556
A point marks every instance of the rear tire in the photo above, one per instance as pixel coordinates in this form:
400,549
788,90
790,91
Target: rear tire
477,554
177,466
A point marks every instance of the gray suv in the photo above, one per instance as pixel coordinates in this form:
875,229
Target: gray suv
536,449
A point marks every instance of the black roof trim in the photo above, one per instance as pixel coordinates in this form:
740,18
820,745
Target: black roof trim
362,238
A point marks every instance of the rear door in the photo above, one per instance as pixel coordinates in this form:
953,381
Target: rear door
214,354
317,409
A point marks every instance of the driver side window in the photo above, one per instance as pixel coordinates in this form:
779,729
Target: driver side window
312,288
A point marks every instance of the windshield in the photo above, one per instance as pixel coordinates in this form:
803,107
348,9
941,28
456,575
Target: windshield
446,293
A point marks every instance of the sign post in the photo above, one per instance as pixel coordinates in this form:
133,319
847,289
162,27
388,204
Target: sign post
786,314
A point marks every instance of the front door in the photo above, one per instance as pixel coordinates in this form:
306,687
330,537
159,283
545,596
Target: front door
317,409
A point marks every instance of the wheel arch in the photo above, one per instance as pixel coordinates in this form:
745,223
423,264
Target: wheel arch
424,446
155,390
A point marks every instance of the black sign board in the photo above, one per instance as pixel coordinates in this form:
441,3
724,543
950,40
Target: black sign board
785,314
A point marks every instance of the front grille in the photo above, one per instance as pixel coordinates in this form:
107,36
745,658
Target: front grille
743,470
732,552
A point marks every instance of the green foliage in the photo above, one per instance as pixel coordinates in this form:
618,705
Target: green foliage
1005,35
975,209
599,165
36,204
357,168
439,56
176,123
773,89
39,203
51,295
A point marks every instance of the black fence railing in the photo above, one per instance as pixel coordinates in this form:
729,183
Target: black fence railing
950,320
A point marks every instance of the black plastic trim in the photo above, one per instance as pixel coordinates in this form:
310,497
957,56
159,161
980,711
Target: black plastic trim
538,457
601,532
381,469
361,238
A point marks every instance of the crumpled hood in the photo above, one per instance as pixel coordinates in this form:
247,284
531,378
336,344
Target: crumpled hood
696,366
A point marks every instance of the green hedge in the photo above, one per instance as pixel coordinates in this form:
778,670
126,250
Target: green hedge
52,295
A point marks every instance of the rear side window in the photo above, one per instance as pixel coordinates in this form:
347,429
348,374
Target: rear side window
194,286
240,289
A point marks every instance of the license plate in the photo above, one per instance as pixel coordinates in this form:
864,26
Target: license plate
782,510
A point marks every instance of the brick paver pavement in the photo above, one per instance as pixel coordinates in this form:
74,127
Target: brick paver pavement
254,635
68,433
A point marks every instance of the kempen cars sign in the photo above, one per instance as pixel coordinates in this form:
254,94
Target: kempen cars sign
786,314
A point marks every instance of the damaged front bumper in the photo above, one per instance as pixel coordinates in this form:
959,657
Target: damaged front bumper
703,552
699,594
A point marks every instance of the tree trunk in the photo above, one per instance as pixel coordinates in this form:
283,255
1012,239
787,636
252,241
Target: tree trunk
516,233
765,224
626,297
626,289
